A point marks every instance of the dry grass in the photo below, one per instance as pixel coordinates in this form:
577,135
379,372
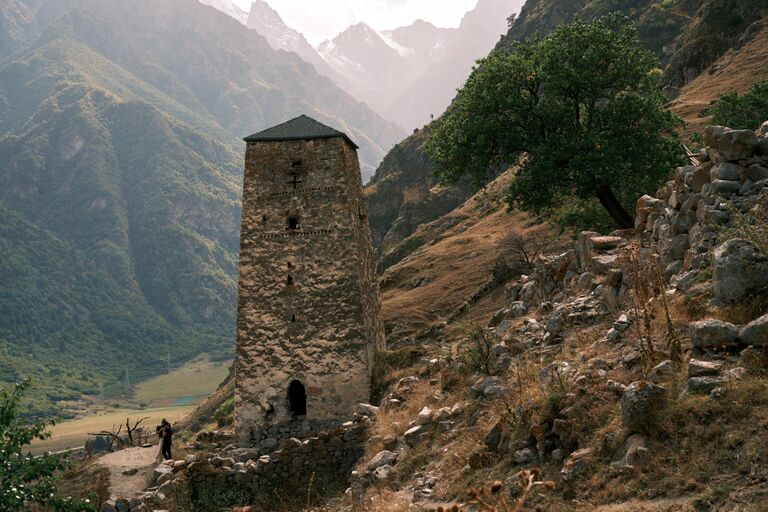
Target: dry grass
736,72
198,378
386,500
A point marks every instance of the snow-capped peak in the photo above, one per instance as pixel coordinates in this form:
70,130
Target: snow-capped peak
229,8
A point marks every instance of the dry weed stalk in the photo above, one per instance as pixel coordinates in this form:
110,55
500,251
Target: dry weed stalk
642,296
674,345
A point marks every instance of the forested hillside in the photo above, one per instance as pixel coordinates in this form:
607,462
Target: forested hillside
120,178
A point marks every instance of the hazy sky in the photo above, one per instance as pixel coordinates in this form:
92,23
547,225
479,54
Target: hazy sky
323,19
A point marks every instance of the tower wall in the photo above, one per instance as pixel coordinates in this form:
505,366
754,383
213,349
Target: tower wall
308,305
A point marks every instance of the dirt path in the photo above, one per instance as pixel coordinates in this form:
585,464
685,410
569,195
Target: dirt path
141,459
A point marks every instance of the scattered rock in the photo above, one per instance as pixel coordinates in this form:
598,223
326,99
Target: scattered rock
640,405
755,333
577,464
383,458
425,416
697,368
413,435
713,334
662,371
494,436
525,456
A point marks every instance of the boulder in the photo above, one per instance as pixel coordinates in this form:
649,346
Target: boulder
739,271
524,456
726,171
640,405
554,325
755,333
383,472
122,505
699,178
733,144
662,371
577,464
704,385
757,173
441,415
517,309
161,470
698,368
413,435
726,188
494,436
713,334
367,409
425,416
605,243
383,458
497,317
108,506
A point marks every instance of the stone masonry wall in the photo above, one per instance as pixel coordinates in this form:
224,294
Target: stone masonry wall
322,326
687,215
296,472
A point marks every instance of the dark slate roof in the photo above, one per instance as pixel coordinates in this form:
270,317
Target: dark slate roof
300,128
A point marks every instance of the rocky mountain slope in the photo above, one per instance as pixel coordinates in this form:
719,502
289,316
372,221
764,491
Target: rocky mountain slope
412,72
268,23
121,157
688,36
666,28
629,369
479,30
229,8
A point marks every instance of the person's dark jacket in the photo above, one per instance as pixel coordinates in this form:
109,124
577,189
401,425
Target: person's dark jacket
167,434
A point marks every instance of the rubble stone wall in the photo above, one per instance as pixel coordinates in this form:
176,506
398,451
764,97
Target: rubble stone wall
685,218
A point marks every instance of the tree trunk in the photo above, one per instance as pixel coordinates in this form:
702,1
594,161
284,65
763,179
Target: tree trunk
612,205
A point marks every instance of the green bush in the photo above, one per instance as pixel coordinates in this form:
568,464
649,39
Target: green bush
25,481
742,112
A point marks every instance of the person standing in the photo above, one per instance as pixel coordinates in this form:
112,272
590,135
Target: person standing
159,432
167,439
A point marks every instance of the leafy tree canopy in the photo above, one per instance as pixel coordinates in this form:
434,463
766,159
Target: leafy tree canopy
582,103
742,112
25,480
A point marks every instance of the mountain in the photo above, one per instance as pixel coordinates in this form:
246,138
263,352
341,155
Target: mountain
268,23
120,181
687,36
411,72
229,8
404,194
213,66
479,31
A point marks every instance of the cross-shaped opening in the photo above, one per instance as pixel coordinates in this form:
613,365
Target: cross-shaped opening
295,181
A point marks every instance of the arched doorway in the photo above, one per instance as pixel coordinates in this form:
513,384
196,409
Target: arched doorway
297,397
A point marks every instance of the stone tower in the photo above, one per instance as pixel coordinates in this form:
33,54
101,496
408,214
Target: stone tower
308,320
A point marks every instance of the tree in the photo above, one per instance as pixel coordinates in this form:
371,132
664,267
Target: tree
26,480
584,106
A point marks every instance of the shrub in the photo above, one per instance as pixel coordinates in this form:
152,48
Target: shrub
24,480
743,112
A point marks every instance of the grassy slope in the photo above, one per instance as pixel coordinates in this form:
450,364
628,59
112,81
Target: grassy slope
146,202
